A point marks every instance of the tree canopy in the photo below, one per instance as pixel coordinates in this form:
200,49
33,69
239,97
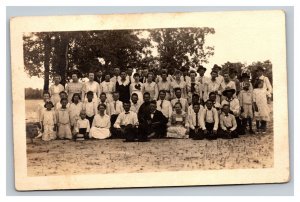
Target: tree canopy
50,53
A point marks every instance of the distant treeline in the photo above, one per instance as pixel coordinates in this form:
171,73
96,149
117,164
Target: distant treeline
31,93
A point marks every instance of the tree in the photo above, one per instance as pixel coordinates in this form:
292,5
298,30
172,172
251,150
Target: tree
182,47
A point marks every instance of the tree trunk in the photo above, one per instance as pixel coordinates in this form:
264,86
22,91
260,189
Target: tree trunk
47,50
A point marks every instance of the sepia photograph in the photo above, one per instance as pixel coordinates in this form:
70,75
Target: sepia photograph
143,100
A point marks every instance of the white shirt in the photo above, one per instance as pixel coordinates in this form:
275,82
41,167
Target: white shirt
90,108
234,105
126,119
135,107
166,107
229,85
107,87
192,119
82,123
115,107
228,121
191,109
209,116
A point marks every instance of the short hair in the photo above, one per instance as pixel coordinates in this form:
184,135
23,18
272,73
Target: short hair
164,72
103,94
63,92
101,104
90,93
136,74
146,93
63,99
150,73
211,93
176,89
127,102
75,94
46,93
196,104
192,72
134,94
82,111
153,102
178,103
209,100
162,91
116,92
195,95
225,105
214,71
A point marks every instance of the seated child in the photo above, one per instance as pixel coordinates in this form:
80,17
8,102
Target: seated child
227,123
48,122
64,120
82,128
101,124
209,121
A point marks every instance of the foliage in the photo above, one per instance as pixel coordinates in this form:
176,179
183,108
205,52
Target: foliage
31,93
182,47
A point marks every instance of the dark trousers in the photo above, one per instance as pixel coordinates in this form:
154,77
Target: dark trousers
245,122
240,130
90,118
196,134
129,132
113,131
210,127
158,129
261,125
227,134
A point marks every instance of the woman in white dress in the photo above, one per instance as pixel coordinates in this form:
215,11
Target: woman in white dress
136,87
107,87
178,125
93,86
73,87
151,87
178,83
55,89
101,124
262,111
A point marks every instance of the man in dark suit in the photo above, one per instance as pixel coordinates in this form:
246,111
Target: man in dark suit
156,123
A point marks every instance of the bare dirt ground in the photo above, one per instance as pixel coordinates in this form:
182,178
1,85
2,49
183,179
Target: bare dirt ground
65,157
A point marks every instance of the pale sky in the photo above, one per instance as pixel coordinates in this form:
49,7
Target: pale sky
233,42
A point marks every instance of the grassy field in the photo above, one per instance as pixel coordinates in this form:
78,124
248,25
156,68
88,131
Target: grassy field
64,157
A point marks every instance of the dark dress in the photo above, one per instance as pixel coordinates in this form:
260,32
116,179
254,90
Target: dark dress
124,91
156,125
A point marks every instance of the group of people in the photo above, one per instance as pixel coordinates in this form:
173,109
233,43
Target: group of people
143,105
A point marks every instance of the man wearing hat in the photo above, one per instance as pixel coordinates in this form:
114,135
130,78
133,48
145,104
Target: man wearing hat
234,106
266,85
245,81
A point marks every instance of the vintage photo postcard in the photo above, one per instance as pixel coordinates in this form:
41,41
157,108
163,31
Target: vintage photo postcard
149,100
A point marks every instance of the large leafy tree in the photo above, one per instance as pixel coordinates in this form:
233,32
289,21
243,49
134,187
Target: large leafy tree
182,47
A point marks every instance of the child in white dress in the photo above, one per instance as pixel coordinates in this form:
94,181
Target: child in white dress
48,121
262,111
64,121
75,109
